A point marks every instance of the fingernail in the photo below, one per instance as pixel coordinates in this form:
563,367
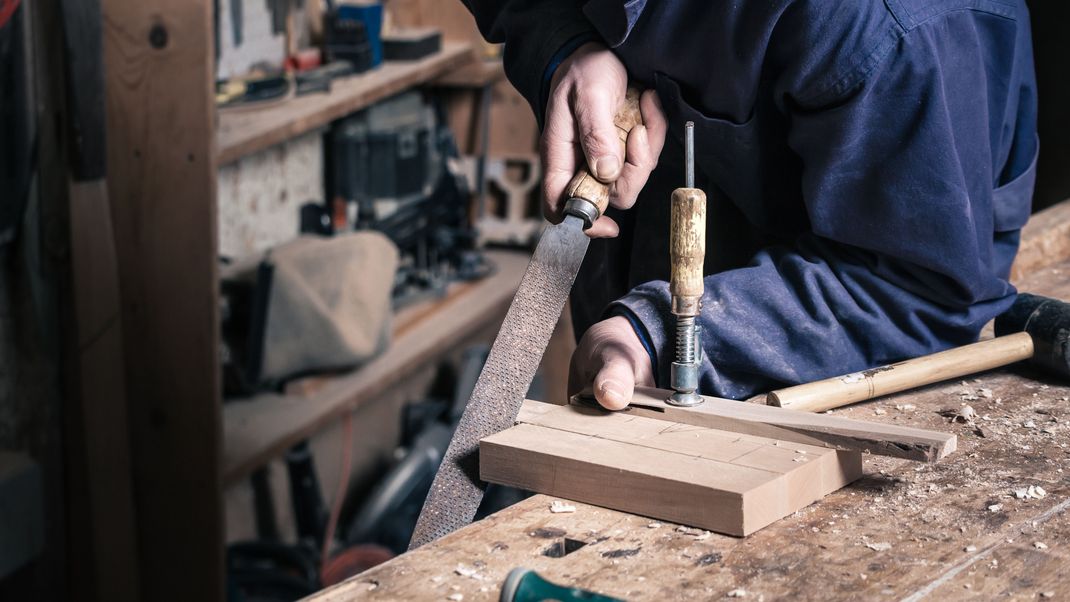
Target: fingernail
612,394
606,168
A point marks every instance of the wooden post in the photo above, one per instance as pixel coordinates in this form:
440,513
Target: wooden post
162,173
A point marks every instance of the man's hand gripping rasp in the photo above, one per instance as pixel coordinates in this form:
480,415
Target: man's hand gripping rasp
457,491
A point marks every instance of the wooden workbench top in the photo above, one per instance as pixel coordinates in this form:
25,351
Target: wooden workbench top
905,531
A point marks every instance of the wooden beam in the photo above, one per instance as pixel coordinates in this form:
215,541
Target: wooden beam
722,481
800,427
162,172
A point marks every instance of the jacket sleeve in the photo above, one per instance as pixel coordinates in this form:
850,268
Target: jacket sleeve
538,35
916,185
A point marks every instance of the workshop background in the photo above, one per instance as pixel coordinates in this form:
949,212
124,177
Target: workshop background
184,185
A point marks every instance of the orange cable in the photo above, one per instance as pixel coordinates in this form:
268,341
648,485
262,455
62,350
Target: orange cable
340,492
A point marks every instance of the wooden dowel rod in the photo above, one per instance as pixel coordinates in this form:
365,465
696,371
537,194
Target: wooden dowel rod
859,386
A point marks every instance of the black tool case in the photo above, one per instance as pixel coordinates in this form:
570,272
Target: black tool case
386,154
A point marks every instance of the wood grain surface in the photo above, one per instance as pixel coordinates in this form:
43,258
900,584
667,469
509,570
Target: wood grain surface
801,427
161,177
717,480
906,531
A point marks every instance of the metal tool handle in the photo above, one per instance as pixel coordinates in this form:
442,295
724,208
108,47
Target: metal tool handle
586,187
910,374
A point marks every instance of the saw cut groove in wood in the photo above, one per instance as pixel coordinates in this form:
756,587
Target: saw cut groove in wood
801,427
712,479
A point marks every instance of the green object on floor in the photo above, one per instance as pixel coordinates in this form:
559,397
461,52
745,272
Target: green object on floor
525,585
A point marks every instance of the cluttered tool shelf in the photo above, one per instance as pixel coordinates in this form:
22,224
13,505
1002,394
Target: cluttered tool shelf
990,521
263,427
241,132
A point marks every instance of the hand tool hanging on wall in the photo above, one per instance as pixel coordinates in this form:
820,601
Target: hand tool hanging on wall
1035,329
457,490
687,252
237,21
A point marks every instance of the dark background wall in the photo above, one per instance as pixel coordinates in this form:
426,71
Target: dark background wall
1051,44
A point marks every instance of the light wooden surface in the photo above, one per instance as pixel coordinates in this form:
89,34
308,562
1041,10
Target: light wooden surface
162,171
905,531
954,363
247,130
1045,241
800,427
687,248
265,426
705,478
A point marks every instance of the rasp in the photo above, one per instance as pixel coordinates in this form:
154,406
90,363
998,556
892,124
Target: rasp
457,490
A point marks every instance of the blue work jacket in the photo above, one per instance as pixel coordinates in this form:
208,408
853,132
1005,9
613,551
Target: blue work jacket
869,165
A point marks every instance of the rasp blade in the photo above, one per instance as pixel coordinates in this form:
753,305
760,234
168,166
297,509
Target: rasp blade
457,491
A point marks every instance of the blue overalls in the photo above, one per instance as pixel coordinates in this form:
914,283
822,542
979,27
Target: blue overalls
869,166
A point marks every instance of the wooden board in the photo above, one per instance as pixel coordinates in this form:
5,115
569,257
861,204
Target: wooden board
243,131
706,478
800,427
159,64
265,426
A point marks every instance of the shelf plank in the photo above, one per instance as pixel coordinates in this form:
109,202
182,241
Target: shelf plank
476,74
259,429
246,130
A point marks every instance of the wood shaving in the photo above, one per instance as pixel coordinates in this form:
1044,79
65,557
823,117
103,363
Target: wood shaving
1033,492
559,507
965,415
467,571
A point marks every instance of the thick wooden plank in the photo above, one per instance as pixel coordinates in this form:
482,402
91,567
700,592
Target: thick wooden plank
1045,241
162,173
722,481
801,427
265,426
243,131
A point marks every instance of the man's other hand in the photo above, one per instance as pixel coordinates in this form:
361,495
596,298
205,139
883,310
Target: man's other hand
585,92
611,361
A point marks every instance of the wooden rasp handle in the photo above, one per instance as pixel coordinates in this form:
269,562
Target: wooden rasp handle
687,249
583,184
860,386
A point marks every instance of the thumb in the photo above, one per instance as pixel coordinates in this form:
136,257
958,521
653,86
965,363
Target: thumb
594,112
614,384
